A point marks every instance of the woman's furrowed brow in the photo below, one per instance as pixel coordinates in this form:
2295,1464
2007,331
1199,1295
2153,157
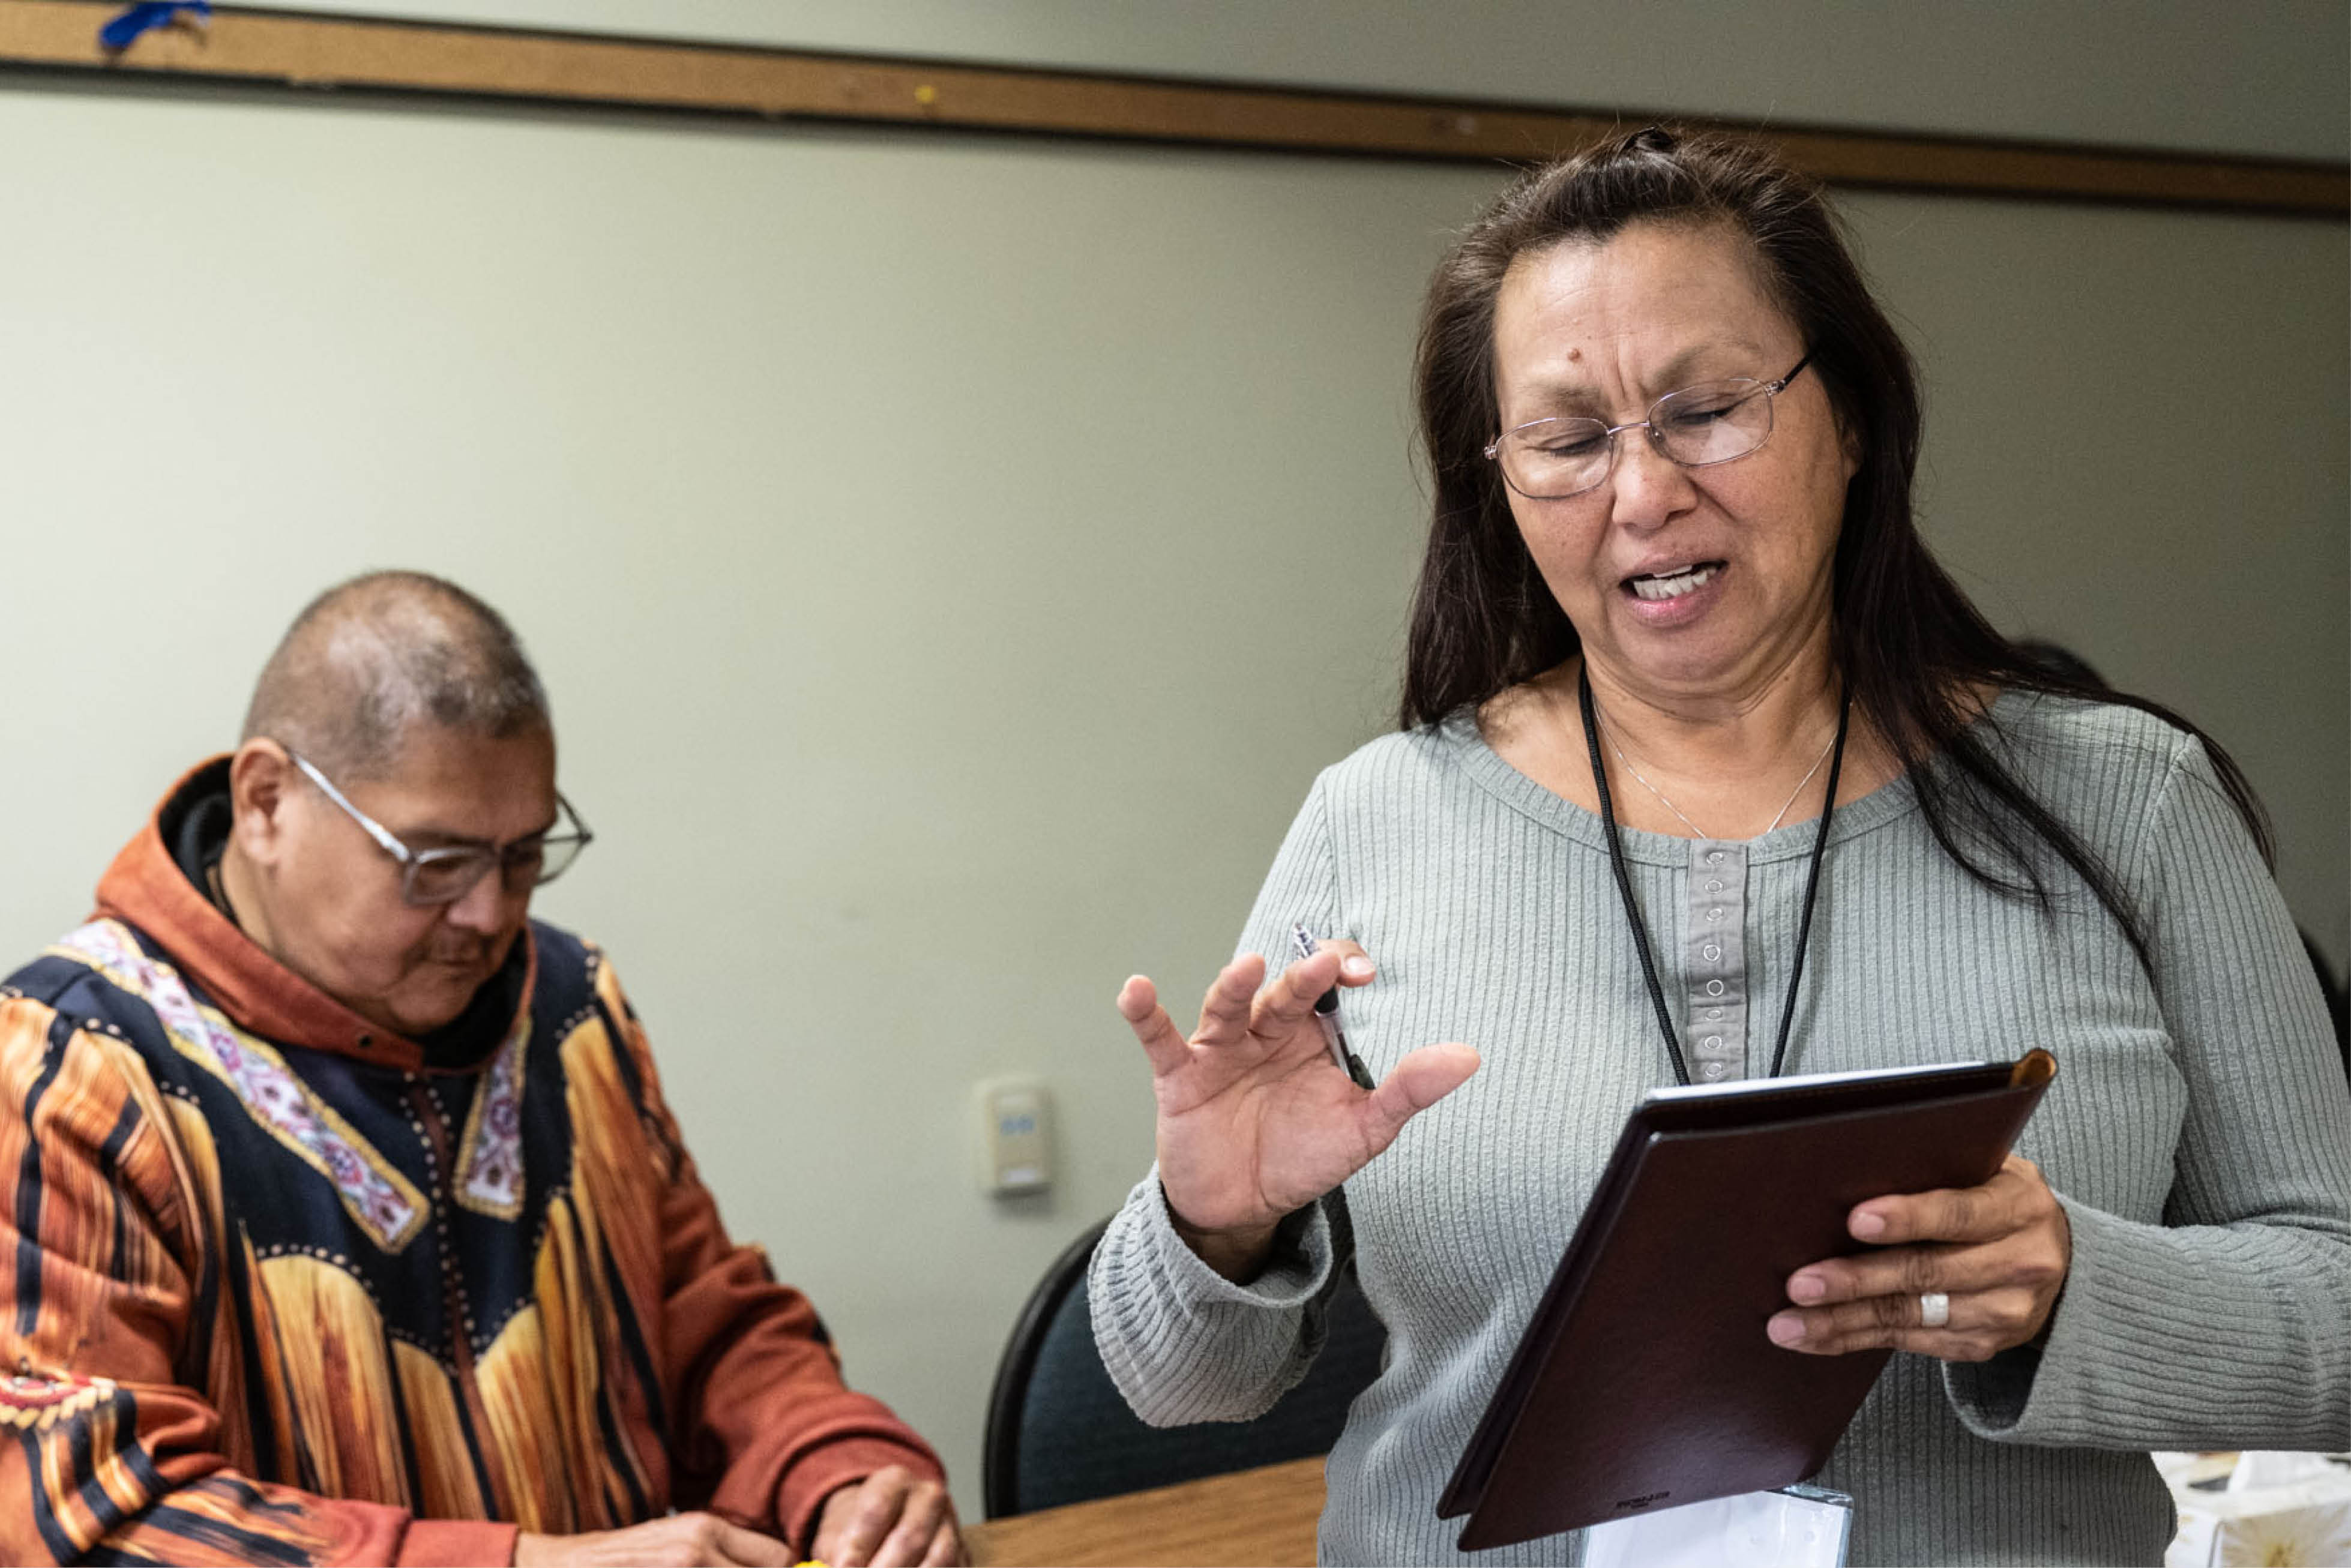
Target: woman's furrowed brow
1704,362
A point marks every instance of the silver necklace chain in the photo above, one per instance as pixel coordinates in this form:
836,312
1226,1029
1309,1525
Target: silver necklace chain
1677,811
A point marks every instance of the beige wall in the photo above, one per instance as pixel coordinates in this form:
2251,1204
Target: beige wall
2137,447
952,559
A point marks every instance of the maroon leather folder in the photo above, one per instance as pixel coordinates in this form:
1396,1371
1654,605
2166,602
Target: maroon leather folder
1645,1379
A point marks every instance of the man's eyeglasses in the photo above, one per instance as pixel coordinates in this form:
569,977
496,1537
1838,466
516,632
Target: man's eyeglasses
1551,459
445,873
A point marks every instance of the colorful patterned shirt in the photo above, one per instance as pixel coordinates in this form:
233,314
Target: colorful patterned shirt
281,1289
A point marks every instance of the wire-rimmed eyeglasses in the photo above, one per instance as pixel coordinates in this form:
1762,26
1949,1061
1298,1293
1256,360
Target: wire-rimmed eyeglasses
446,873
1714,422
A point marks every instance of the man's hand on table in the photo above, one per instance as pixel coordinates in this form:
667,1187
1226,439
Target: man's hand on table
681,1540
893,1519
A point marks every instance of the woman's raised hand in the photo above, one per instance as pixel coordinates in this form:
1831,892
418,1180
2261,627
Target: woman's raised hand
1255,1119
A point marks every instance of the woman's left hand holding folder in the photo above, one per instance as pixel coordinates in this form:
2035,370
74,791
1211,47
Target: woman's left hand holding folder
1990,1261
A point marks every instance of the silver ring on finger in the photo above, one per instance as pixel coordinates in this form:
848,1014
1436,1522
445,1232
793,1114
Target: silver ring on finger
1933,1310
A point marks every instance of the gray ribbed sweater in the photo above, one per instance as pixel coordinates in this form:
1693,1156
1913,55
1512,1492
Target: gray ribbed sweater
2198,1133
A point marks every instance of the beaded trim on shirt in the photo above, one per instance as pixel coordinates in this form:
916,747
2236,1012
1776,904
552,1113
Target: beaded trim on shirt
489,1169
384,1203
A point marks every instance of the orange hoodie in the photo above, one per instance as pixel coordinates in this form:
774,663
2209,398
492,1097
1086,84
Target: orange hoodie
277,1291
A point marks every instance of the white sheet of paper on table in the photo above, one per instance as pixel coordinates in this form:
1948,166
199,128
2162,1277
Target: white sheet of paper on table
1755,1529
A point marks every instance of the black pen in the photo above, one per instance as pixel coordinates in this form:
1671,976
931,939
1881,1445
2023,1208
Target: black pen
1326,1013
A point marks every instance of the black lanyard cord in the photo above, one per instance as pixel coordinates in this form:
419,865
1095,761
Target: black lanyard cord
1624,880
1633,911
1811,886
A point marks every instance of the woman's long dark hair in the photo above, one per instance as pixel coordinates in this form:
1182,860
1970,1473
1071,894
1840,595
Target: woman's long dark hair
1909,646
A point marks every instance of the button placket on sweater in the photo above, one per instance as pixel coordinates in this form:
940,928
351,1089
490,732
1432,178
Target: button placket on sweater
1715,960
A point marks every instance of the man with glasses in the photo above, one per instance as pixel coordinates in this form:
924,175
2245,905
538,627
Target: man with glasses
347,1220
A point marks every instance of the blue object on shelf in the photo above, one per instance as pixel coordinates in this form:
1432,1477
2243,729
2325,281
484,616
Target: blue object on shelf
117,35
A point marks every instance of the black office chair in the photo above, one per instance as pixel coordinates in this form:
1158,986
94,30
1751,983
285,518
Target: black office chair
1060,1432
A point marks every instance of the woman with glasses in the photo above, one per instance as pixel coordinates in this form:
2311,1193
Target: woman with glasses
1706,771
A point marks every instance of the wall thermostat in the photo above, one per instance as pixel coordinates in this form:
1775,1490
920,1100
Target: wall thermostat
1016,1135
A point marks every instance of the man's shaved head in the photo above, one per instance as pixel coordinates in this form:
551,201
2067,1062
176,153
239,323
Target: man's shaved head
372,657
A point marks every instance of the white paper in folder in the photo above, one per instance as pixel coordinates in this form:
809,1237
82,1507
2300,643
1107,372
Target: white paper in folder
1798,1527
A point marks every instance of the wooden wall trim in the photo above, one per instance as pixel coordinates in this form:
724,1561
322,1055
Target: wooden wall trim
313,52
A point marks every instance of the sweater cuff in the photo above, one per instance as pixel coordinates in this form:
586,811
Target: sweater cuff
1181,1342
820,1474
2127,1327
455,1543
1295,1270
2045,1394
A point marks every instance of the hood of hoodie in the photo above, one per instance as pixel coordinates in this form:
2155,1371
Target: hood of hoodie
147,887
